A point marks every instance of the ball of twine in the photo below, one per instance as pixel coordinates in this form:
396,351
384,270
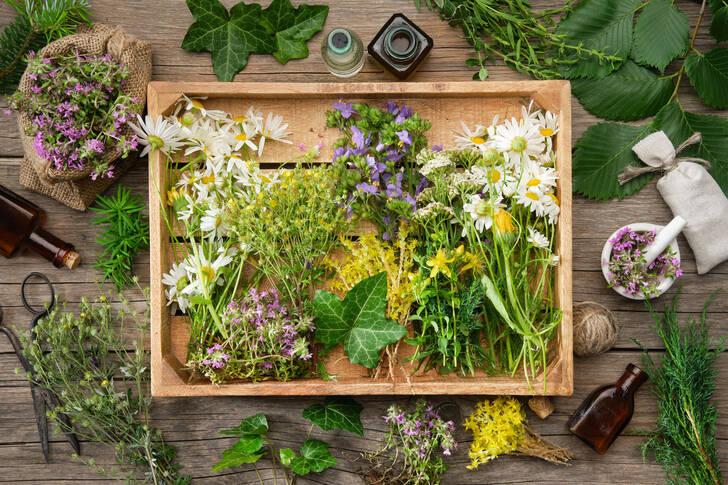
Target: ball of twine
595,329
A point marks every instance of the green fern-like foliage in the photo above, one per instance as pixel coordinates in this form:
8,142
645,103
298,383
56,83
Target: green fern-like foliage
38,23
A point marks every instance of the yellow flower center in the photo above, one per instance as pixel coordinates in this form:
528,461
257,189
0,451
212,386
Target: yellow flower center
532,196
208,272
518,144
242,137
547,131
495,176
240,119
477,140
197,104
208,179
533,183
554,198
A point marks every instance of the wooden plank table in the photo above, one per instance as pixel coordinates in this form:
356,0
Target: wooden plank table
192,424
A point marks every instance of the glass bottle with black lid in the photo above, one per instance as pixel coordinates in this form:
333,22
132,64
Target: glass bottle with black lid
400,46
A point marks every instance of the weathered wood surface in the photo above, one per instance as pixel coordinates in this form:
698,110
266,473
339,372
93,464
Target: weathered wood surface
192,424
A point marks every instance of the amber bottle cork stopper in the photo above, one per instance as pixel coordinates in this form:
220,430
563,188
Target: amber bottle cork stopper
72,260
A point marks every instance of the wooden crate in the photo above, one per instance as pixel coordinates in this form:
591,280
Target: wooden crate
303,106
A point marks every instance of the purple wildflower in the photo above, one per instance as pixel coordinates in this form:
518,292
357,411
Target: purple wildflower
345,109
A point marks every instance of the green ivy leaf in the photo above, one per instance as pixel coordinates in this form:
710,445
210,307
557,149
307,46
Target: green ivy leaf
292,27
358,320
606,97
315,457
252,426
287,455
661,34
604,25
709,76
719,24
244,451
679,125
229,36
601,154
336,413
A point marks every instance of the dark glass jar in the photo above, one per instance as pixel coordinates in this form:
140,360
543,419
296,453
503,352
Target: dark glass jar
400,46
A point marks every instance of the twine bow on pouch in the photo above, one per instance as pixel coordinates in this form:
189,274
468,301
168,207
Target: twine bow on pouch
659,154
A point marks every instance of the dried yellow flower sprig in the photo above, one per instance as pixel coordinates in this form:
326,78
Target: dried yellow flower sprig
499,427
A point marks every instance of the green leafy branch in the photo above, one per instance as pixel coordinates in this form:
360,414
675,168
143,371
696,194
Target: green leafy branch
231,36
684,384
633,92
335,413
38,23
124,232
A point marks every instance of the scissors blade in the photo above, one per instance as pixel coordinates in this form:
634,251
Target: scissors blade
41,420
63,420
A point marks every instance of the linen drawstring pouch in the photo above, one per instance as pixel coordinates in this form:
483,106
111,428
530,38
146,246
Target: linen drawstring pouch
691,193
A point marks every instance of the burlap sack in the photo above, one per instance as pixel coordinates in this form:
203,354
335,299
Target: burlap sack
691,193
72,187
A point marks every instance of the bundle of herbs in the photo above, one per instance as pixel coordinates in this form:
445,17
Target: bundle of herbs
101,383
684,382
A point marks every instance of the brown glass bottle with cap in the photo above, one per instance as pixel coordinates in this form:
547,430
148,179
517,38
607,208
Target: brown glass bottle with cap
607,410
400,46
21,225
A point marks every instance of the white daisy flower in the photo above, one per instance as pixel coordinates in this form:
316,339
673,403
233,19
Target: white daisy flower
537,239
205,272
195,106
548,126
529,117
539,179
253,118
496,179
555,260
468,138
208,181
551,208
530,200
160,135
212,224
518,139
243,134
175,281
482,211
274,129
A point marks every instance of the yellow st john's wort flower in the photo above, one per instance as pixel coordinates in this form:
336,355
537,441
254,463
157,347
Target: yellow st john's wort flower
439,264
497,426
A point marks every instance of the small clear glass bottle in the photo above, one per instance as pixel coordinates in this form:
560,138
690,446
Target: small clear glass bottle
343,52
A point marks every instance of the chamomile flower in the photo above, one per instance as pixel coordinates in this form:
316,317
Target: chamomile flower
548,126
551,207
468,138
274,129
176,281
195,106
529,117
496,179
518,140
212,224
160,135
537,239
530,199
482,211
539,179
206,272
252,117
243,135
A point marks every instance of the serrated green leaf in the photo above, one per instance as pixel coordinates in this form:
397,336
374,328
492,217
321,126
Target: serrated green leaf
229,36
601,154
679,125
646,93
315,457
661,34
252,426
336,413
358,320
719,24
709,76
292,27
603,25
286,455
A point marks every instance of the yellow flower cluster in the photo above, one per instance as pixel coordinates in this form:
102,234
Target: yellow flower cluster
498,426
371,255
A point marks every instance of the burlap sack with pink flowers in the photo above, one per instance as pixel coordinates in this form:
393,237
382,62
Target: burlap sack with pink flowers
73,187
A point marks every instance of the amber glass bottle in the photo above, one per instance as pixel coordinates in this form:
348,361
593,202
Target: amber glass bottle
400,46
21,225
606,412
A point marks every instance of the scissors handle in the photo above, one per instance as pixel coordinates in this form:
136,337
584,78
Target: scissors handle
44,311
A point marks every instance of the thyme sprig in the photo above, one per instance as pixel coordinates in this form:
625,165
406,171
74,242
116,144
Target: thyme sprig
684,383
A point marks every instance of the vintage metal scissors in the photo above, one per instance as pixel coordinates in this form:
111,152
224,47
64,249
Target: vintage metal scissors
43,399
